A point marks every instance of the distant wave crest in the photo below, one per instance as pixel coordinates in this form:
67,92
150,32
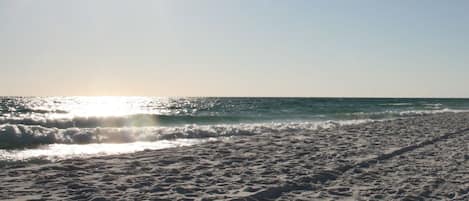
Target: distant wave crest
152,120
397,104
402,113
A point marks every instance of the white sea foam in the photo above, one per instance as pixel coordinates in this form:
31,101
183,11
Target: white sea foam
24,136
53,143
397,104
438,111
21,135
40,140
63,151
405,113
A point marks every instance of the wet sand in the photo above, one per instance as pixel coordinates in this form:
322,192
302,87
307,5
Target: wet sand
419,158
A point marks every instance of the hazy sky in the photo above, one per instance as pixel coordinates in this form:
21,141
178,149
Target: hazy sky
403,48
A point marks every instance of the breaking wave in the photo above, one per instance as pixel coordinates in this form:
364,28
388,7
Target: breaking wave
20,136
75,126
138,120
152,120
33,131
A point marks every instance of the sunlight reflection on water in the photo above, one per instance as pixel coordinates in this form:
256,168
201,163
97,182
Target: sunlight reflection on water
64,151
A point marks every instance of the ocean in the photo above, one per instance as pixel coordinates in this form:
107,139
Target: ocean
55,128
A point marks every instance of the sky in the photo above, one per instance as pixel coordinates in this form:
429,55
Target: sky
312,48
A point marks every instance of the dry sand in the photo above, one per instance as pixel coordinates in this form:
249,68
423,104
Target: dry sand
421,158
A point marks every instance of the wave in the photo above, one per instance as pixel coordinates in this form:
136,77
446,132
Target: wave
138,120
397,104
433,105
424,112
402,113
13,136
37,110
154,120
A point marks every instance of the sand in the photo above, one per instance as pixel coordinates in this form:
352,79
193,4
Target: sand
419,158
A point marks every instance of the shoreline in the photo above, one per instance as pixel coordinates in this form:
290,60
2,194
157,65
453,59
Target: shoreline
330,163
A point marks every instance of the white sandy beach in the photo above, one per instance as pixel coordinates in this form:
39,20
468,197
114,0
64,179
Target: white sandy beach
420,158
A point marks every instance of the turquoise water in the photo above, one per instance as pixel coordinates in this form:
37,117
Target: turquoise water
64,112
29,122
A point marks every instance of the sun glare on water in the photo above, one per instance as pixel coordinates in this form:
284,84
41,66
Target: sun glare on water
64,151
106,106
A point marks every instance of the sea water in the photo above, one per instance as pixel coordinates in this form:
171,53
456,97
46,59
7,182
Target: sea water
64,127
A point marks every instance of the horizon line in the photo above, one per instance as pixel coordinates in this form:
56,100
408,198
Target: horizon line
347,97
